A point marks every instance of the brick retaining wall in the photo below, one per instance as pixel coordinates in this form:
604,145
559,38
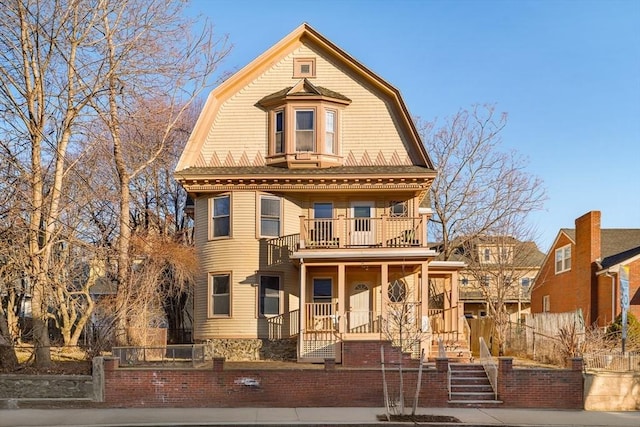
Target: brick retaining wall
331,387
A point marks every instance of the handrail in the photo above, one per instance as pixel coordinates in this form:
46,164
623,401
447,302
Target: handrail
449,375
490,366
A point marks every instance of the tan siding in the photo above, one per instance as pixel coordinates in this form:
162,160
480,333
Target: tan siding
243,255
240,127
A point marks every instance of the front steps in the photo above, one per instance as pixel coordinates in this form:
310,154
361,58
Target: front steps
470,386
456,351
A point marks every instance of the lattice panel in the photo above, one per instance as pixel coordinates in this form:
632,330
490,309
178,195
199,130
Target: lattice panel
321,349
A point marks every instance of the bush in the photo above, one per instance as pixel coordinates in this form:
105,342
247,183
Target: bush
633,330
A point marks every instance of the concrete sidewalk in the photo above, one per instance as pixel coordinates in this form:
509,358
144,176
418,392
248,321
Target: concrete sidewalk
304,416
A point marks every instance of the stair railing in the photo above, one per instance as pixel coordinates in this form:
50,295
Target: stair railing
490,366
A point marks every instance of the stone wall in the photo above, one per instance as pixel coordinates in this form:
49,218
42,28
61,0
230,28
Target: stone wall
612,391
46,387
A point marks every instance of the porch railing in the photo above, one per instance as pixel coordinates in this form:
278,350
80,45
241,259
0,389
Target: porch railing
320,317
363,322
341,232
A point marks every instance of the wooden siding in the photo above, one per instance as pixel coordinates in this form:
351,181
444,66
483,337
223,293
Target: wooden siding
244,255
367,127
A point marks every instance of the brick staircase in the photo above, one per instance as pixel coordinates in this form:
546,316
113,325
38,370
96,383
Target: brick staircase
470,386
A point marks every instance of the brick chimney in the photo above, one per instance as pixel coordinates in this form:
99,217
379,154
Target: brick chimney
585,253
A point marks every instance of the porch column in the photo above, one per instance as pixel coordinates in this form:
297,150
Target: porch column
425,343
342,298
303,307
455,309
384,278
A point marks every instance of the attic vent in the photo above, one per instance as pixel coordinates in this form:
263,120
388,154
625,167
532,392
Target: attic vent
304,67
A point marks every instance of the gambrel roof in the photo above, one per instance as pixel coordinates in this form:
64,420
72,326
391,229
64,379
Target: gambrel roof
307,36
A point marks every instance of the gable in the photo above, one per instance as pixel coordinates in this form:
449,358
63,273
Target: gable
374,127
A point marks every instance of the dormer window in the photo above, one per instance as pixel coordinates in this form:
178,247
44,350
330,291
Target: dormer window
304,126
305,130
278,126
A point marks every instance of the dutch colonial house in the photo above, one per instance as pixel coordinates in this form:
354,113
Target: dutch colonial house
310,184
582,271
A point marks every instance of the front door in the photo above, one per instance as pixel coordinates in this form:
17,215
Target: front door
360,309
362,230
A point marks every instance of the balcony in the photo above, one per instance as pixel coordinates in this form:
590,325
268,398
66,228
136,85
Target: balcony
514,294
382,232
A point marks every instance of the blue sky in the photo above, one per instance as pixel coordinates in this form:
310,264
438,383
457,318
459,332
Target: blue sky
566,72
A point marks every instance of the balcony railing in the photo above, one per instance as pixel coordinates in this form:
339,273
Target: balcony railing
475,294
341,232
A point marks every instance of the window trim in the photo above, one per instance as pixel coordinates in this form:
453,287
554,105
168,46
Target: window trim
313,287
313,130
210,305
259,305
283,132
562,252
259,233
211,219
546,304
405,209
298,63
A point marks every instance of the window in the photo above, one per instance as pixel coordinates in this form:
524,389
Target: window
270,216
305,130
304,67
526,281
221,216
322,290
398,209
487,254
330,132
397,291
269,303
505,254
323,222
465,281
563,259
278,126
220,304
546,304
484,280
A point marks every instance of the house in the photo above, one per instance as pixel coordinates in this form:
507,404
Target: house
582,271
498,268
309,182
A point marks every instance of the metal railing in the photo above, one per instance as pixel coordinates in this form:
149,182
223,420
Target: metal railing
490,366
613,361
190,354
344,232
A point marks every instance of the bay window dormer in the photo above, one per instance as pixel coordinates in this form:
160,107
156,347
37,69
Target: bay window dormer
304,126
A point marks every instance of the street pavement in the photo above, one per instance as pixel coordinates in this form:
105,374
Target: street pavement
118,417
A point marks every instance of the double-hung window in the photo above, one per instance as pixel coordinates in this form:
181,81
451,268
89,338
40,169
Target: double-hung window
220,294
330,132
221,216
270,216
278,127
269,303
563,259
305,130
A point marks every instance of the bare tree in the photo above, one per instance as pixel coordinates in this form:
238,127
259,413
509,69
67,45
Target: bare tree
496,265
479,186
147,55
57,58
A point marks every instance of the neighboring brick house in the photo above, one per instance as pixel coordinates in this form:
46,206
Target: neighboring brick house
310,182
581,271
